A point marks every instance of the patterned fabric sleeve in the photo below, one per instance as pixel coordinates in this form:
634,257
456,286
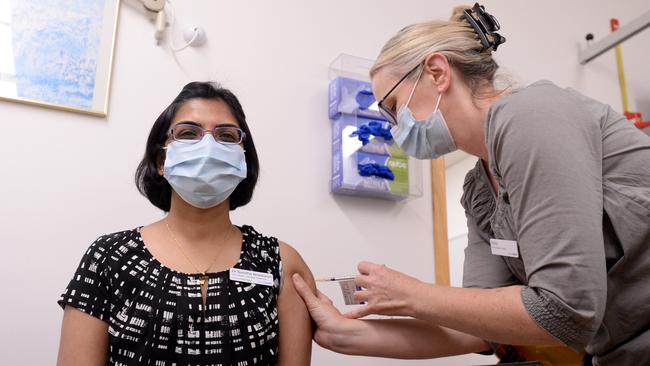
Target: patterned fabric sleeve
274,244
88,290
280,276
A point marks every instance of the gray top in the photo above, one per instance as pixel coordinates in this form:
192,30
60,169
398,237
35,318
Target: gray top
574,192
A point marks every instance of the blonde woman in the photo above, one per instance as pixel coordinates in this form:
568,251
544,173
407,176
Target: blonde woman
558,211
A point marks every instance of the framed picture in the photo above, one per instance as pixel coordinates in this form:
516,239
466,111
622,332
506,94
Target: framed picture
58,53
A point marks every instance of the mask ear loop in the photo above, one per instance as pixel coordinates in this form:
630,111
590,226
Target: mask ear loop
414,86
438,103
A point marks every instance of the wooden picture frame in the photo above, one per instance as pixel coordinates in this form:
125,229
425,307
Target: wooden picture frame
56,55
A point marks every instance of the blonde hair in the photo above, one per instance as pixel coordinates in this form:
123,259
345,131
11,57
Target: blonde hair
455,39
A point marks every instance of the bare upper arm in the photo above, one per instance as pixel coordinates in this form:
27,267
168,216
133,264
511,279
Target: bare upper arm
295,323
84,339
292,263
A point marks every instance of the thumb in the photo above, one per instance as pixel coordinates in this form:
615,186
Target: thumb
323,298
304,291
359,312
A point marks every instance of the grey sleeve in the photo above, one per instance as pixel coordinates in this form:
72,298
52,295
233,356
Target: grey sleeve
482,269
547,153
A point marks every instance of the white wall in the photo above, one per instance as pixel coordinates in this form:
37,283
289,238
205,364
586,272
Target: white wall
69,178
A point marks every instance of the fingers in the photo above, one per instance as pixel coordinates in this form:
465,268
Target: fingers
363,281
359,312
365,267
305,292
361,295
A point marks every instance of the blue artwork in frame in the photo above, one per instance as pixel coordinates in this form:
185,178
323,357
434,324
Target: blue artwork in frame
58,53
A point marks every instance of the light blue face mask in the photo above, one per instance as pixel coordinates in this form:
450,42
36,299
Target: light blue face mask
204,173
423,139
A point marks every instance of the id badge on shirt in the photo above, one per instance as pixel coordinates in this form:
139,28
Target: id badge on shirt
258,278
505,248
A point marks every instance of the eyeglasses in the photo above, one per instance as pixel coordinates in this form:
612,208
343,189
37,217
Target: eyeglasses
189,132
390,116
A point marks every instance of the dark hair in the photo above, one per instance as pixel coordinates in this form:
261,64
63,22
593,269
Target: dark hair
154,186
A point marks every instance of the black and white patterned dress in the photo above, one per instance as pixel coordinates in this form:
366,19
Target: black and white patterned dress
156,315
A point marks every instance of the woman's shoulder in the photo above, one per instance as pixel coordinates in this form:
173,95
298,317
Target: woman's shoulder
544,101
260,246
111,240
527,100
537,116
258,240
270,247
249,231
540,87
106,246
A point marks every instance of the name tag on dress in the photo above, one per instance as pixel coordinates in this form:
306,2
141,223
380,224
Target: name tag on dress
258,278
505,248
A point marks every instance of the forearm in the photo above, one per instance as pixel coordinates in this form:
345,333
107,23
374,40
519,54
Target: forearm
401,338
495,314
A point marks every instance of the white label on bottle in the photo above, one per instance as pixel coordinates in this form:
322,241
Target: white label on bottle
348,288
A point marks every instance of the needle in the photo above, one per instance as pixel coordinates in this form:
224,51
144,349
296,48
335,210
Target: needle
328,279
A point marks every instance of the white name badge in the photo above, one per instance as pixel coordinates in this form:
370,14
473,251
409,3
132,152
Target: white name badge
258,278
506,248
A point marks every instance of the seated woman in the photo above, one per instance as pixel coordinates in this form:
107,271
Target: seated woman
192,288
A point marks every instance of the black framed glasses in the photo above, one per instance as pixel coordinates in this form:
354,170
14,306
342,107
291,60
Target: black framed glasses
190,132
390,116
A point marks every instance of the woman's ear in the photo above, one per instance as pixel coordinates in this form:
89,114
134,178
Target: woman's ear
437,66
160,163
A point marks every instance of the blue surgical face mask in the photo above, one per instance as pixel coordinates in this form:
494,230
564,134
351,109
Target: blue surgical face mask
423,139
204,173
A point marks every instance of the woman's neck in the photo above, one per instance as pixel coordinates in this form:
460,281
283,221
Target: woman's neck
197,225
466,121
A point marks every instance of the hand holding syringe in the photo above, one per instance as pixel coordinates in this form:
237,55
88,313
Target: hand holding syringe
348,288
